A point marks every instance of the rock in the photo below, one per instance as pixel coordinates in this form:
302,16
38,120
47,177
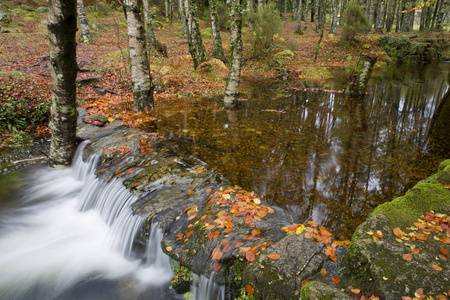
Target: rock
317,290
26,7
42,9
5,16
443,175
300,259
391,267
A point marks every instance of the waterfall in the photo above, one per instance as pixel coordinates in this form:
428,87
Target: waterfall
71,236
204,288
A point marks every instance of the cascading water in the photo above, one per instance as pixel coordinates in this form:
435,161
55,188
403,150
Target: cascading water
204,288
70,236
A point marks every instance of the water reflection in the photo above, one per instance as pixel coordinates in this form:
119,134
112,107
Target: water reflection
323,154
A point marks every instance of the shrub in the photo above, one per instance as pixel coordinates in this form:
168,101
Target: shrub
355,22
265,22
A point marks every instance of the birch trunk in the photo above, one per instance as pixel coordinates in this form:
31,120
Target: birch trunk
390,15
298,29
196,46
218,48
371,11
149,30
399,16
440,16
361,75
234,74
62,27
379,24
140,70
84,26
334,10
408,17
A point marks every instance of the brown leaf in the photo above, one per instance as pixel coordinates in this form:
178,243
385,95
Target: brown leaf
415,251
273,256
227,248
323,272
421,236
256,231
408,257
436,267
355,291
247,237
103,170
444,239
117,172
336,279
217,267
239,244
250,289
398,232
250,256
304,282
217,254
443,251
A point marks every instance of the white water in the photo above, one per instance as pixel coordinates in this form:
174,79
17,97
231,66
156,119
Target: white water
69,236
204,288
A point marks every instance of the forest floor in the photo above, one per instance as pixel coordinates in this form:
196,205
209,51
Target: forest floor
24,64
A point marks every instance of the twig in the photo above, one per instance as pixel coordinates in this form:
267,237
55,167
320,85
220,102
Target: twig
41,60
43,153
105,89
309,260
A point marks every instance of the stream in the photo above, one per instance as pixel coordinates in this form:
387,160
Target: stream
66,235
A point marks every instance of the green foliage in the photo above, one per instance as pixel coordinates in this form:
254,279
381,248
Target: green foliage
264,24
222,12
355,22
20,106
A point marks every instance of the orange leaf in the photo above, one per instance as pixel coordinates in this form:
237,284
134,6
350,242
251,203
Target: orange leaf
130,171
313,224
209,227
239,244
273,256
256,232
191,192
168,248
250,289
208,191
212,235
192,215
247,237
103,170
224,242
415,251
228,230
444,239
436,267
136,184
336,279
304,282
199,171
296,292
398,232
443,251
250,256
355,291
227,248
189,233
323,272
117,172
293,227
217,254
421,236
408,257
217,267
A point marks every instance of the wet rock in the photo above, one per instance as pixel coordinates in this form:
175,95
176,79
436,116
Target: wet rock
300,259
392,267
317,290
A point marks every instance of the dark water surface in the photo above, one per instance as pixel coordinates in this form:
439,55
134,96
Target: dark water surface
320,153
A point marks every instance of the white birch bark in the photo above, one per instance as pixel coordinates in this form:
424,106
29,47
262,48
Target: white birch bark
84,26
62,27
140,70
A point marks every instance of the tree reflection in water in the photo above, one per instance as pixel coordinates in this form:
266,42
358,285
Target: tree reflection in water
323,154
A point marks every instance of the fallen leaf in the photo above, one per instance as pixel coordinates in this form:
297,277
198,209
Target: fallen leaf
103,170
273,256
436,267
199,171
168,248
296,292
323,272
304,282
421,236
224,242
117,172
191,192
217,254
217,267
208,191
250,256
336,279
355,291
408,257
415,251
227,248
256,231
250,289
444,239
443,251
189,233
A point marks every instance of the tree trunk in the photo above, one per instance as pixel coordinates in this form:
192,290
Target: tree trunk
196,46
234,74
84,26
313,10
440,16
399,15
380,16
371,11
298,29
436,9
149,30
62,27
358,80
334,10
321,12
409,17
390,15
218,48
423,18
140,70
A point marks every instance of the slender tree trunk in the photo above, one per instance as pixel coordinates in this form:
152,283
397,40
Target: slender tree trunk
436,9
371,11
218,49
196,46
149,30
409,17
312,6
334,10
380,16
399,16
298,29
423,18
234,74
62,27
140,69
180,10
440,16
84,26
390,15
322,13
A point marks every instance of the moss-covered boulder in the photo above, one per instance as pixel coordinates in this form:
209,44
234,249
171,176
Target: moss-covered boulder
318,290
404,244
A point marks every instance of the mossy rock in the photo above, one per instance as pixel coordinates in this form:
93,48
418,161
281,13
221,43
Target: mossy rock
316,290
378,265
42,9
26,7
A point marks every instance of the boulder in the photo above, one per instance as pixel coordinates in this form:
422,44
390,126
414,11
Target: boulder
318,290
403,246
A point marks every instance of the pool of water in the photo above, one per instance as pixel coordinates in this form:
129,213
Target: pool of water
322,154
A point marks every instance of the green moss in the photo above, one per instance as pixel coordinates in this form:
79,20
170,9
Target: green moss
404,210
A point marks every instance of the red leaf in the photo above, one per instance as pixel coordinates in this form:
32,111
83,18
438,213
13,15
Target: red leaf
250,289
250,256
